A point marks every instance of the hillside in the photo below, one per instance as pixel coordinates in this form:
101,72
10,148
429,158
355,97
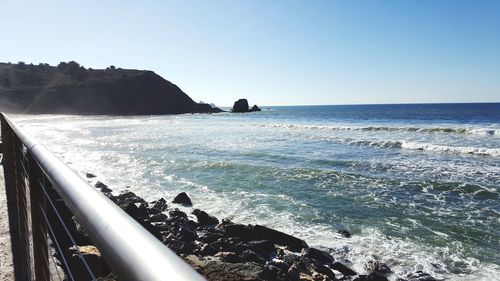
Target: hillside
72,89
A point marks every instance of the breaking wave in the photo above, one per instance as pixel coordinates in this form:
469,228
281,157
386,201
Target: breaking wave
448,130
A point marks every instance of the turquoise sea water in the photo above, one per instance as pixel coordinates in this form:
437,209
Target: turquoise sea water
417,185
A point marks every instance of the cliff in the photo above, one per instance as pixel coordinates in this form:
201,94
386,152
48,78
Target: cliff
71,89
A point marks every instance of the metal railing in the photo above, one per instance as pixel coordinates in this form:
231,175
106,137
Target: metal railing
43,195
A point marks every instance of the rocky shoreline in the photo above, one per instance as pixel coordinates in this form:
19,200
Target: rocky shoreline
221,249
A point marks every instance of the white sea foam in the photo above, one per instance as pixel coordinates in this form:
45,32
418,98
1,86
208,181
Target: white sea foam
449,130
453,149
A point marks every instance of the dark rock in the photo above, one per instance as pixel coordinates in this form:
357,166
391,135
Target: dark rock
161,204
346,271
377,267
89,175
244,232
93,258
263,247
293,273
177,214
183,199
208,250
344,233
138,213
420,276
293,243
129,196
371,277
220,270
251,256
229,257
318,255
205,219
99,184
187,234
240,105
158,217
273,273
211,237
255,108
323,270
105,189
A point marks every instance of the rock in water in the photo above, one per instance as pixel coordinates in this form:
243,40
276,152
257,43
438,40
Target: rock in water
255,108
240,105
183,199
204,218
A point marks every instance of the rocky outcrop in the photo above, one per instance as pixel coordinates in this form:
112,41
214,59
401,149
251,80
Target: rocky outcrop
241,106
224,250
44,89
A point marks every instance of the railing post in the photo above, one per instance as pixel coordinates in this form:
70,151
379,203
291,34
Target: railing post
38,224
17,219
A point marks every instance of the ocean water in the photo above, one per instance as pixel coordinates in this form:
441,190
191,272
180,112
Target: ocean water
418,186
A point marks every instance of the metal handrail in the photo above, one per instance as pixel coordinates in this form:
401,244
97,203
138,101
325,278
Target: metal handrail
130,250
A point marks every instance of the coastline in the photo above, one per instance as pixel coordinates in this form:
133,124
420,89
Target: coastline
220,249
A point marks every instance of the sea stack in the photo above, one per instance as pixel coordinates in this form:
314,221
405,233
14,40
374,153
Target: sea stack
241,105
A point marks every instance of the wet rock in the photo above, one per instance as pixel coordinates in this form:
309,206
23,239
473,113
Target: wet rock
251,256
208,250
293,243
371,277
205,219
240,105
99,184
323,270
187,234
377,267
420,276
318,255
161,204
105,189
346,271
255,108
183,199
90,175
211,237
129,196
244,232
135,210
158,217
344,232
177,214
263,247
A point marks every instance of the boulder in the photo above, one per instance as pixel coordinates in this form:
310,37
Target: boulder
277,237
183,199
240,105
93,258
344,233
89,175
205,219
244,232
161,204
346,271
318,255
255,108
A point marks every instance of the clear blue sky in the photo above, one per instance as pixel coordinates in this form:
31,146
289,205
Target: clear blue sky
274,52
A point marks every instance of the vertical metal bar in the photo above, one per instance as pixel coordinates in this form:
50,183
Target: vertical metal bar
19,249
38,224
23,206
